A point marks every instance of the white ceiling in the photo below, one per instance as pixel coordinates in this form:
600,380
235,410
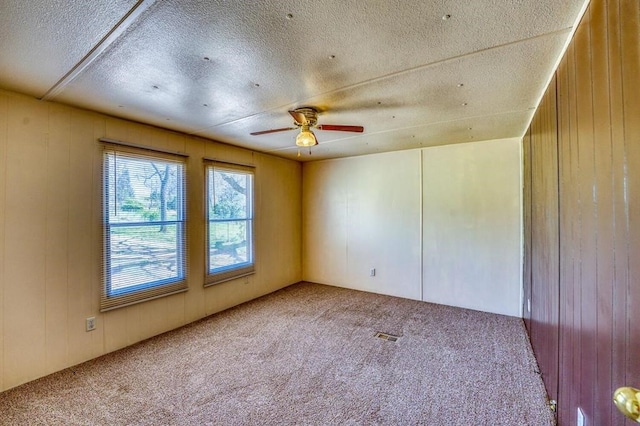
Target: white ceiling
222,69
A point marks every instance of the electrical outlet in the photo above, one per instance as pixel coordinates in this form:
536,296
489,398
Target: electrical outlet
91,323
581,419
372,272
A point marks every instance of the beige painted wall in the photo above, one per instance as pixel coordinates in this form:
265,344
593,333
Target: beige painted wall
472,226
440,224
362,213
50,237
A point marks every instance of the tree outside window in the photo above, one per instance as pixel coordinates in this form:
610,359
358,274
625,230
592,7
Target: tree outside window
230,222
144,223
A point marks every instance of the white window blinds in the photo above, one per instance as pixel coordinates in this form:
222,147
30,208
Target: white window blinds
144,225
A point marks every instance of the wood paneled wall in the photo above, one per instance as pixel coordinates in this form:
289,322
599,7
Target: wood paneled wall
598,128
526,227
599,139
542,261
51,237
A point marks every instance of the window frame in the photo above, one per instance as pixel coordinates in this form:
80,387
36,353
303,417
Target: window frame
239,270
113,299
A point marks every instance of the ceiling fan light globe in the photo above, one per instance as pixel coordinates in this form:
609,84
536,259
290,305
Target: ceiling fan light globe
306,138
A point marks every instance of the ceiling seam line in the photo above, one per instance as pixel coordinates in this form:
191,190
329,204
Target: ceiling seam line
99,48
410,127
385,77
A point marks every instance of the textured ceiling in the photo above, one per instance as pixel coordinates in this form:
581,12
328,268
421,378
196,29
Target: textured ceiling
413,73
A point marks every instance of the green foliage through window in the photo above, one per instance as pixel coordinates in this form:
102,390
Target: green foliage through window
144,233
230,220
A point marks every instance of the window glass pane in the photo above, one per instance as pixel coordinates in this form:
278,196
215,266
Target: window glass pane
228,195
229,244
144,228
143,190
144,255
230,229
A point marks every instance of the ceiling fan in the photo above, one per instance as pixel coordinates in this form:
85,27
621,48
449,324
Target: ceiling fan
306,118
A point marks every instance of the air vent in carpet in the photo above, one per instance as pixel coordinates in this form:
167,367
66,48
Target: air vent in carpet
386,336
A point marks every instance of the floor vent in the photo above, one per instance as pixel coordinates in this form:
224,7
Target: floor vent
386,336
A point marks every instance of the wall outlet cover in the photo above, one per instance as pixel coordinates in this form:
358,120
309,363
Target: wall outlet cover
91,323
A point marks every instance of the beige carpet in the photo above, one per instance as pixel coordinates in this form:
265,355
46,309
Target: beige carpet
304,355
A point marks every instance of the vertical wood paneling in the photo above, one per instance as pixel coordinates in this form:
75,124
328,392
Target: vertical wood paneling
113,326
25,255
526,226
57,236
3,185
630,38
193,301
604,261
274,245
564,223
325,201
587,205
568,249
598,120
574,244
82,255
571,226
619,188
543,207
51,237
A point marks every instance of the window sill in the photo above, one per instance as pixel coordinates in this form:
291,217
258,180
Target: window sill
212,280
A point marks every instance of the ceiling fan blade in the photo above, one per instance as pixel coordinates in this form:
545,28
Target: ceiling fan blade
299,117
341,128
264,132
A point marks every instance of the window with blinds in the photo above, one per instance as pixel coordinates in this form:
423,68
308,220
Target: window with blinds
144,225
229,221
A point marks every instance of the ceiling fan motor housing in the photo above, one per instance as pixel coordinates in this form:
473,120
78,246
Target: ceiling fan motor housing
311,115
306,118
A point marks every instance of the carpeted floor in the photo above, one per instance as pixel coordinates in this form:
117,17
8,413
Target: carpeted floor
304,355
